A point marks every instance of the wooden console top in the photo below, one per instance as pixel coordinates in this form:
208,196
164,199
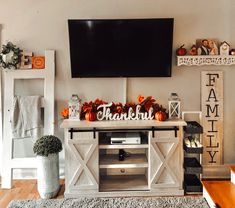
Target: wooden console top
73,123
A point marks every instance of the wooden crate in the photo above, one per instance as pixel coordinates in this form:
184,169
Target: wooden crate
193,127
192,166
192,183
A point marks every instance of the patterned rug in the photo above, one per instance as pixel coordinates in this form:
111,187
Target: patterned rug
134,202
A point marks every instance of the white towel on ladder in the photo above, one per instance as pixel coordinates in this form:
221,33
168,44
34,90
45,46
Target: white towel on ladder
26,118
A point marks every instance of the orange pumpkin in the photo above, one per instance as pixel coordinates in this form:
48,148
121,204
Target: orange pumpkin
140,98
90,116
65,113
160,116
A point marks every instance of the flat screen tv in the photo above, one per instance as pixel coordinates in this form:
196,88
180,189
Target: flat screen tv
121,47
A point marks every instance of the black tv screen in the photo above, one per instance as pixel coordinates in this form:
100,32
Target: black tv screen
121,47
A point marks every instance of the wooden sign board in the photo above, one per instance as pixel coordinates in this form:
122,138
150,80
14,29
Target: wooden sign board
212,117
38,62
26,60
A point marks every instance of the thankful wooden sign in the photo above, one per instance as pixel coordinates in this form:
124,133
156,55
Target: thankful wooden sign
212,116
104,113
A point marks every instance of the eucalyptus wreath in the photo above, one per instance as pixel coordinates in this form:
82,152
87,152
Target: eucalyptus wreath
15,59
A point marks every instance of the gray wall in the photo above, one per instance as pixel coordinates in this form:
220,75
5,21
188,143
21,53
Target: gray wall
41,25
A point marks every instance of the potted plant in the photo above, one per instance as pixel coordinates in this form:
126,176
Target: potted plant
47,148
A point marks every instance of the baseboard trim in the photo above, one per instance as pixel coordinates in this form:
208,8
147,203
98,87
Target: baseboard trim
216,172
29,173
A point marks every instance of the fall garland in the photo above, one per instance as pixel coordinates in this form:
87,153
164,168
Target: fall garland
89,110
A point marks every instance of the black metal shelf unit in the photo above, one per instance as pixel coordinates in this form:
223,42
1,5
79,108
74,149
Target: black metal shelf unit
193,149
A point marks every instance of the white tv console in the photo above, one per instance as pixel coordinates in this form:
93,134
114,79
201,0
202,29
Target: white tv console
152,168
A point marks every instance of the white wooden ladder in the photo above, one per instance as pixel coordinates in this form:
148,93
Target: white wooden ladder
10,76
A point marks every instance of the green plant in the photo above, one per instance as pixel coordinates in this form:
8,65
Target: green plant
46,145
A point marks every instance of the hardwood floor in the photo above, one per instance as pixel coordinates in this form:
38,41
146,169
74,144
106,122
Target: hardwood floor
23,189
221,192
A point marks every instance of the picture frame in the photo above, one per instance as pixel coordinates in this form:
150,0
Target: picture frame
38,62
207,46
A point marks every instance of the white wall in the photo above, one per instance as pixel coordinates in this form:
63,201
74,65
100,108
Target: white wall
41,25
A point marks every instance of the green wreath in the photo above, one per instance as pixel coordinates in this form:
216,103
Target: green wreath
14,56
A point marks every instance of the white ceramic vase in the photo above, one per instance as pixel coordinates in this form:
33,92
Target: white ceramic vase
48,175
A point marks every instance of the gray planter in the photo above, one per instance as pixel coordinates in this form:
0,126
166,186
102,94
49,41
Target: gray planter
48,175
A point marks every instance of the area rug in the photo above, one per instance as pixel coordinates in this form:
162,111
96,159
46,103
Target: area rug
133,202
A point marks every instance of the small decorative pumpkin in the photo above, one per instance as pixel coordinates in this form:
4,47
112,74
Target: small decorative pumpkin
193,50
65,113
160,116
90,116
181,51
140,98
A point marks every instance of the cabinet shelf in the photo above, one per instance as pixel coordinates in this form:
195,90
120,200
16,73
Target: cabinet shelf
205,60
196,150
123,183
192,166
133,161
193,127
192,183
123,146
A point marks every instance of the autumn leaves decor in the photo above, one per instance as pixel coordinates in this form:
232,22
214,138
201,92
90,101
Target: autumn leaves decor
146,108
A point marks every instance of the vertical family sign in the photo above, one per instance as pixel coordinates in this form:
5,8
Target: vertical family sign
212,117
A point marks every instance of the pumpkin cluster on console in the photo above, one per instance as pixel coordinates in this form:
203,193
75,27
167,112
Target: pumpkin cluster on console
146,108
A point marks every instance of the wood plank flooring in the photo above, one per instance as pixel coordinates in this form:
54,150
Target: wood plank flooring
221,192
24,189
232,168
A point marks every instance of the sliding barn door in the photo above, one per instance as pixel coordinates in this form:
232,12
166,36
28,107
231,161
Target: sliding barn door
82,170
166,168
